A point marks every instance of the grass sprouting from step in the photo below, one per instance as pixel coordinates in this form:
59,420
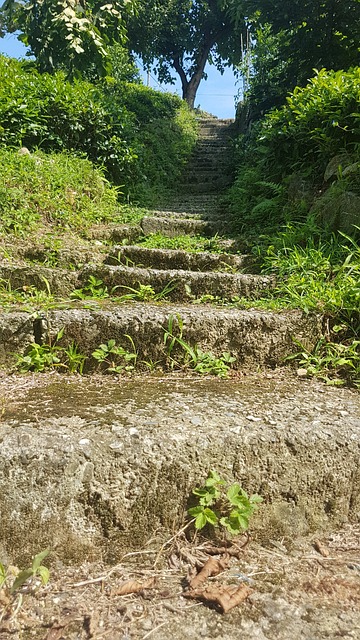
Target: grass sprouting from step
184,243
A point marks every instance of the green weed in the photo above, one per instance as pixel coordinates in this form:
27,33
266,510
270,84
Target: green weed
94,289
116,359
74,359
146,293
204,363
39,357
231,509
11,583
335,363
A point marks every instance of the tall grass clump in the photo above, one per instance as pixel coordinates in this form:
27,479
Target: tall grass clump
55,189
320,273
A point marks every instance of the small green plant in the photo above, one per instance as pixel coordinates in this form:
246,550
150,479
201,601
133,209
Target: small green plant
94,289
11,584
231,509
146,293
39,357
202,362
115,358
75,360
28,296
335,363
207,363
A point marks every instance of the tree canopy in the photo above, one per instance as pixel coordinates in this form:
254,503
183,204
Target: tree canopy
67,34
182,36
292,38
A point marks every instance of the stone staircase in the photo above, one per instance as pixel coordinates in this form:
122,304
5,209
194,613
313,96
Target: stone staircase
93,464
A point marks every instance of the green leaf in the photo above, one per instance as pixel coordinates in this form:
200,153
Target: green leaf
20,579
194,511
39,558
200,521
213,479
211,516
44,574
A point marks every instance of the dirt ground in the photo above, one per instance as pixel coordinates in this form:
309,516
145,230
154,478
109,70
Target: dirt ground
307,589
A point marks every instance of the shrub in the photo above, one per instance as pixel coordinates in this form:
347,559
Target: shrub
289,153
137,134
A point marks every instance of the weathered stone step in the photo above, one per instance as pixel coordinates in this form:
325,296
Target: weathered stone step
209,176
255,338
215,283
175,213
205,187
95,468
176,259
172,227
209,162
61,282
115,232
56,281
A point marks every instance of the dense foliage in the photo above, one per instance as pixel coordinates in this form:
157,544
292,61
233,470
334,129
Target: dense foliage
291,38
54,189
297,153
117,125
297,196
67,34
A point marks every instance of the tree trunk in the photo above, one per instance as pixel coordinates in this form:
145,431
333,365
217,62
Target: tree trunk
190,87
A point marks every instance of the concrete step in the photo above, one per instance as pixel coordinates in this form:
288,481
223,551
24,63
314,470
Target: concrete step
115,232
214,283
172,227
175,213
209,176
95,468
176,259
205,187
255,338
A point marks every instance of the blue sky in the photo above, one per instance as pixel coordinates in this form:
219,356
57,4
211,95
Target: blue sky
215,95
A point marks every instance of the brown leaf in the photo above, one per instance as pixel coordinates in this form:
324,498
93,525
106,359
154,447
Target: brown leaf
212,567
226,597
57,630
321,548
133,586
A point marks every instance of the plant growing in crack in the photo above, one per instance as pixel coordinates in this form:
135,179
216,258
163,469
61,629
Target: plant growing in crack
146,293
230,509
39,357
116,359
93,289
202,362
11,579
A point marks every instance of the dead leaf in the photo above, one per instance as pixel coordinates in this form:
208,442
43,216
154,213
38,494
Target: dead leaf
321,548
57,630
212,567
226,596
133,586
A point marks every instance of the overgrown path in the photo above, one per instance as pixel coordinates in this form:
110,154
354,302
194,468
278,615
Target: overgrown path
97,465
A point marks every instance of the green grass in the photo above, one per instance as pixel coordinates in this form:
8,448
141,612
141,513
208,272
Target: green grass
57,190
185,243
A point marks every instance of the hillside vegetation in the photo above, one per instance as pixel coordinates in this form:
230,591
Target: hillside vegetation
139,136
